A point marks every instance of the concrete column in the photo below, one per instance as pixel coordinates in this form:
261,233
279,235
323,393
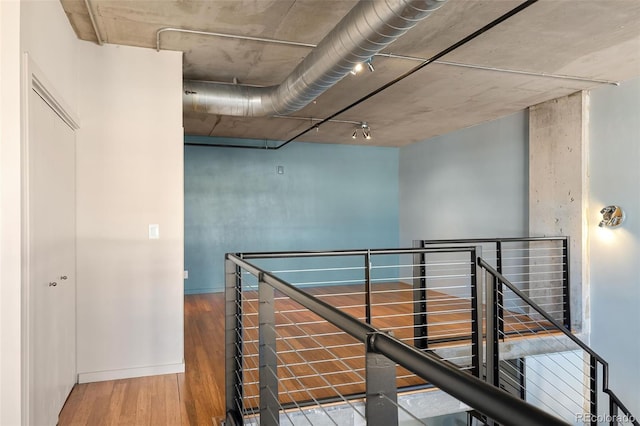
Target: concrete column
558,185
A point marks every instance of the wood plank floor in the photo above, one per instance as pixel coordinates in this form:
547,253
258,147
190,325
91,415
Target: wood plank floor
197,396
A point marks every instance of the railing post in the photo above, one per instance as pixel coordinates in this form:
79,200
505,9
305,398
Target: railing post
493,346
613,412
476,315
233,343
269,403
420,299
522,370
566,292
381,403
593,389
500,290
367,286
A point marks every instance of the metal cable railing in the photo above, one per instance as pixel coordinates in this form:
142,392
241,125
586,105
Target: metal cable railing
378,287
288,363
538,266
298,358
560,374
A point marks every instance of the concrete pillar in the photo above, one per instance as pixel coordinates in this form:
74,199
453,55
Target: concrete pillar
558,185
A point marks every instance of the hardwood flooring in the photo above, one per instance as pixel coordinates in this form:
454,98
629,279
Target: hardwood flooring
319,364
194,398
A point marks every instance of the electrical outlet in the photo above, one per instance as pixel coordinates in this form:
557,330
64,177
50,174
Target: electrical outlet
186,275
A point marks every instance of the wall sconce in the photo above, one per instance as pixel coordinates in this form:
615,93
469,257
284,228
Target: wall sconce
612,217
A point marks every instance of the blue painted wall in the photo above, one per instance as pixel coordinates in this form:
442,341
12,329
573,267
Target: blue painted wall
614,166
471,183
329,197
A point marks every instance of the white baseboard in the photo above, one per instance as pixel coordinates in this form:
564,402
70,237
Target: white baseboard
129,373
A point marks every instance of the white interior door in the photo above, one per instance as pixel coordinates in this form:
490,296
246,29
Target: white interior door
52,292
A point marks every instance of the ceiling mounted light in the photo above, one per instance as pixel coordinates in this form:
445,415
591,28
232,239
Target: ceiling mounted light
370,66
360,66
366,131
357,68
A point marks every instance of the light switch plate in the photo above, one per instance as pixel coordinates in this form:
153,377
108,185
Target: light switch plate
154,231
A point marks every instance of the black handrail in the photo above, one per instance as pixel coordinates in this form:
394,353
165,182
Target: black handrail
493,402
494,240
352,252
621,406
605,366
357,252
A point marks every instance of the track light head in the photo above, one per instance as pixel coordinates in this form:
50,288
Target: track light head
357,68
360,66
370,66
364,128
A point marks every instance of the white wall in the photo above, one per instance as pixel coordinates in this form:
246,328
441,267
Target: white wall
130,175
469,183
41,29
45,33
615,254
10,214
146,330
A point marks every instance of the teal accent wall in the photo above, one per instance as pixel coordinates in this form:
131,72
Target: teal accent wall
329,197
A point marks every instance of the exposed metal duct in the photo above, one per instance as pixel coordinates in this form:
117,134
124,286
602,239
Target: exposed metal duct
368,28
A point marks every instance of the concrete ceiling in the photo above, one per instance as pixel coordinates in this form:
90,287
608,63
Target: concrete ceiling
591,40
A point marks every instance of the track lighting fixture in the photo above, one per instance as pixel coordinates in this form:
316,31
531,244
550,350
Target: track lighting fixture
357,68
366,131
360,66
370,66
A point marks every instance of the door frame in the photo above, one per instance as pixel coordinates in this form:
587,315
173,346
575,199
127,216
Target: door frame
33,79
